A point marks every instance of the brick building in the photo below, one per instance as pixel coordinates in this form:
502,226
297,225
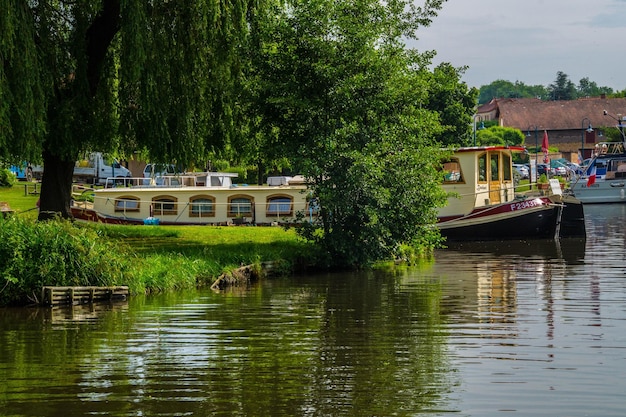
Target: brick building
567,122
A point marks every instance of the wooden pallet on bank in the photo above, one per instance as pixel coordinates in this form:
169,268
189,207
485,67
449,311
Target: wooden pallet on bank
53,296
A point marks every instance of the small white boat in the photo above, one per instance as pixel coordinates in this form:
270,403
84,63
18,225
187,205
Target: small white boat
483,204
604,178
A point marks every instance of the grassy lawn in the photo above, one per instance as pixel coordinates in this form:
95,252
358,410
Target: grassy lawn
21,198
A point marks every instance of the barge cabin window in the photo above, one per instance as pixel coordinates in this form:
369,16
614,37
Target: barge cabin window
165,204
240,205
126,203
279,205
452,171
202,206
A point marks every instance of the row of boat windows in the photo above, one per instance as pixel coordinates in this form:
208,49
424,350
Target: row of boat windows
205,206
489,168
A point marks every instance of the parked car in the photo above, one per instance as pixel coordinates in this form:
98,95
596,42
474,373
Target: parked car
545,169
523,170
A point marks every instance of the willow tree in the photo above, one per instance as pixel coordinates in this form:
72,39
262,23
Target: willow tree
107,75
355,111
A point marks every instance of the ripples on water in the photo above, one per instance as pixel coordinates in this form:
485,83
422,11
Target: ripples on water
483,330
544,334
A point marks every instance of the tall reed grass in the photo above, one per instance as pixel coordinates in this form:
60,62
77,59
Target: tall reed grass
58,253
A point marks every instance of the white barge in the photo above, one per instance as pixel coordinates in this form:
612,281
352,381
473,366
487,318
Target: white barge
207,199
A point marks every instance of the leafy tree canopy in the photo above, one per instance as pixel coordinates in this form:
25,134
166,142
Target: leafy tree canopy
507,89
326,88
497,135
361,117
562,88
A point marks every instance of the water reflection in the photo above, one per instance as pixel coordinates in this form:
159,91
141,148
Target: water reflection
533,328
569,250
330,345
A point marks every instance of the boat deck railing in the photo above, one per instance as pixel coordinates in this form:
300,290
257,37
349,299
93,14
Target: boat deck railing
608,148
161,181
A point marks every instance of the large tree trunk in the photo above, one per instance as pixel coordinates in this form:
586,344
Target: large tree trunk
56,187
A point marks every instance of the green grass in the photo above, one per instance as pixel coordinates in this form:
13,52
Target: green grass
201,253
21,198
524,185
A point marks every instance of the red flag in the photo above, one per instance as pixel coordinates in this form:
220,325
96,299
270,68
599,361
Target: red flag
592,177
544,146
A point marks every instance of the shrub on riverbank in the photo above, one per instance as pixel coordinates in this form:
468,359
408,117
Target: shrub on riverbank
54,253
7,178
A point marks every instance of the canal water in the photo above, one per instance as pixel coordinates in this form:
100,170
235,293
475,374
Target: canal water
526,329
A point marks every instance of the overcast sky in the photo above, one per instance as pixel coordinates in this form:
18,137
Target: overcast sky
531,40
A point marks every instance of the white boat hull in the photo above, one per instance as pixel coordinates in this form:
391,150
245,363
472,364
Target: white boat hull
603,191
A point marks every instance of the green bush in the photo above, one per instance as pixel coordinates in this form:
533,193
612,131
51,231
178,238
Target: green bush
7,178
57,253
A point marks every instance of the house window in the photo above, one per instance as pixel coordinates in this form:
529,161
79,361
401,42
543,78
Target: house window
164,204
240,205
202,206
279,205
127,203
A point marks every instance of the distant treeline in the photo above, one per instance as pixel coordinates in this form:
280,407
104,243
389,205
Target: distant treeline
561,89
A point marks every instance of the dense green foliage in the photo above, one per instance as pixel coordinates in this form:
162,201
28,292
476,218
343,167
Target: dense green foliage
362,118
7,178
325,88
150,77
81,75
497,135
561,89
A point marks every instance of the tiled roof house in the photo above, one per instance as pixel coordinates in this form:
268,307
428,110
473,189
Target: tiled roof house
565,121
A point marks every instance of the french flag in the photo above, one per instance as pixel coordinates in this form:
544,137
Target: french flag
592,176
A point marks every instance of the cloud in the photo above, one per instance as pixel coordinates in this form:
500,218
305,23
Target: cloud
530,41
